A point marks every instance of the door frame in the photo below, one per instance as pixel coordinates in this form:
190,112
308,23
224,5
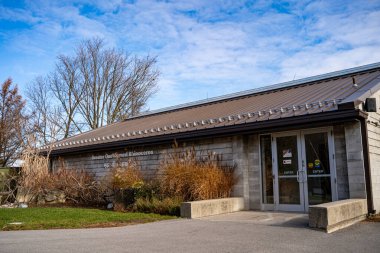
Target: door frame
331,148
287,207
304,204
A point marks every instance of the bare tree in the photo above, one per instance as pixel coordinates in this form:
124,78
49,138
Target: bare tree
67,89
115,85
49,119
13,122
95,87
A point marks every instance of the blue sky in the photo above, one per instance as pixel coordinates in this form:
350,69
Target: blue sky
204,48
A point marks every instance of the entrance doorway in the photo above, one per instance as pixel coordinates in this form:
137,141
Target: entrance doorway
298,169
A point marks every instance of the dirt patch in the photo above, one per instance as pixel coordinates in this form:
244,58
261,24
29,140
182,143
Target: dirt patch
11,227
114,224
374,218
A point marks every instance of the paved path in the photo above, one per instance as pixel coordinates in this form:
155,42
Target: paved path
237,232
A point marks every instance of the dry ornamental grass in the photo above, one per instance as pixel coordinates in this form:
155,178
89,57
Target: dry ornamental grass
192,177
128,176
184,175
35,180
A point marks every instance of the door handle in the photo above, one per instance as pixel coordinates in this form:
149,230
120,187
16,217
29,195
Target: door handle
298,176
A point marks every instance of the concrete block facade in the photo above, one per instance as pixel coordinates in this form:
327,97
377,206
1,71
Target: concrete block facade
355,161
149,157
341,162
254,173
242,152
373,126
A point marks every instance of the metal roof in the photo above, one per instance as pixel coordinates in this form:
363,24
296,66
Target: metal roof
318,94
282,85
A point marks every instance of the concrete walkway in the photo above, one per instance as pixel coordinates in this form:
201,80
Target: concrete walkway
236,232
284,219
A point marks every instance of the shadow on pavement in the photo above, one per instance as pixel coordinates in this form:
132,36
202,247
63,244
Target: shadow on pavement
299,222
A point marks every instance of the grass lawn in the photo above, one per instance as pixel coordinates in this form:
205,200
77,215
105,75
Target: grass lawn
54,217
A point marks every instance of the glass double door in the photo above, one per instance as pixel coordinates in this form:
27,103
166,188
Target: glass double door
302,169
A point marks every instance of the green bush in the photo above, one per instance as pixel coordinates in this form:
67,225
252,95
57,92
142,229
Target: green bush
128,196
148,190
166,206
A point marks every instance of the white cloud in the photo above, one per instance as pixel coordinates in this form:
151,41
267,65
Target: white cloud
209,48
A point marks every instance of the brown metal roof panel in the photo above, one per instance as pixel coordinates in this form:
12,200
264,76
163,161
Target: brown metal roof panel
338,88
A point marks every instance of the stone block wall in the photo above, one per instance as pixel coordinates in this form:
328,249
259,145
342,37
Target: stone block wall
254,172
355,162
341,162
239,151
148,157
373,126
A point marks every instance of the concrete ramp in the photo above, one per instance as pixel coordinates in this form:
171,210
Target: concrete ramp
269,218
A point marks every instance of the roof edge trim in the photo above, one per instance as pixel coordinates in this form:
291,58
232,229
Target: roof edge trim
326,118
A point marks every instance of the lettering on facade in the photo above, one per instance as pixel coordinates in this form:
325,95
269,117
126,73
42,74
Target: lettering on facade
113,164
122,155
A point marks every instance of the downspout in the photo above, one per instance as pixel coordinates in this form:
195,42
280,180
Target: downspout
367,167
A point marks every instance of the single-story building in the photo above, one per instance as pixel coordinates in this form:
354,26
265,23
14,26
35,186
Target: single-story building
294,144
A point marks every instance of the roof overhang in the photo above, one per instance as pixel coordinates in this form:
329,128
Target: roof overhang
283,124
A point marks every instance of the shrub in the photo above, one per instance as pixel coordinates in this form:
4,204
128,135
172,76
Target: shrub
79,187
125,198
193,177
34,180
8,184
149,190
128,176
166,206
126,183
